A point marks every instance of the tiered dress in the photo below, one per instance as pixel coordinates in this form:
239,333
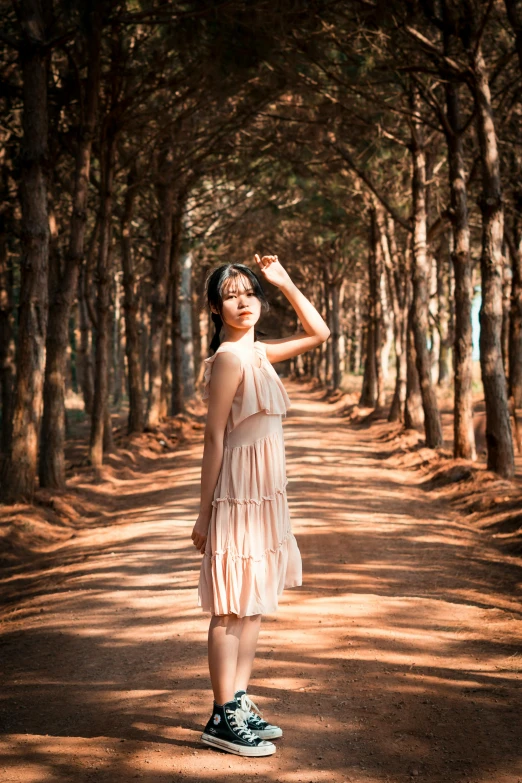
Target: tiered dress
251,553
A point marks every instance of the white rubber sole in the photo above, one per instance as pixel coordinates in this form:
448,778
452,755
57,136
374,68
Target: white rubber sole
268,733
238,750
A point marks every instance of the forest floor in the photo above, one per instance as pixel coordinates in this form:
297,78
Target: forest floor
399,659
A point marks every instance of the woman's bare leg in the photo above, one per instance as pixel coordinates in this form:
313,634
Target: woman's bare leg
246,651
224,635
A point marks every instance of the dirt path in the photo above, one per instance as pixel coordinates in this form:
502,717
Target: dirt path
399,659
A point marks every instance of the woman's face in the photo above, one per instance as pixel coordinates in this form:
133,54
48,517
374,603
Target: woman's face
241,309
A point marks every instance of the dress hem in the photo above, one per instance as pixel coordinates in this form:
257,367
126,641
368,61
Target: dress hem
264,611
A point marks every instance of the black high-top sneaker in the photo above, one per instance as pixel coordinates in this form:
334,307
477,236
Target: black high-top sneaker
255,723
227,730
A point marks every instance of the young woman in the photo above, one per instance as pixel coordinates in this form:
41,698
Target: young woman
243,528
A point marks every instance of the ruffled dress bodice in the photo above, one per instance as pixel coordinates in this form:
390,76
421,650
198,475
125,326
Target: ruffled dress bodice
251,553
260,387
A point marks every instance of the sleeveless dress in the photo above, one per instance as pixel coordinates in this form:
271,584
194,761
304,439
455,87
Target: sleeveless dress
251,553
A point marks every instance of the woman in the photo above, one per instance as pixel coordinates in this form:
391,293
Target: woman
243,528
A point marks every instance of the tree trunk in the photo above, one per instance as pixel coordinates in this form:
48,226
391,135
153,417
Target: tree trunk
198,311
166,359
204,325
7,346
186,332
118,342
177,398
335,289
386,312
379,319
22,460
356,343
343,356
506,316
413,410
372,389
100,417
396,288
443,309
201,316
327,347
111,358
144,334
316,365
432,422
369,384
186,324
65,282
515,322
160,282
498,427
463,430
136,419
433,318
85,352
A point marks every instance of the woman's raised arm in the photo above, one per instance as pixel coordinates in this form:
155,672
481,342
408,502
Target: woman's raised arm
314,331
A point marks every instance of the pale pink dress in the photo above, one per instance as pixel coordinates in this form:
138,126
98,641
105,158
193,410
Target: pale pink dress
251,553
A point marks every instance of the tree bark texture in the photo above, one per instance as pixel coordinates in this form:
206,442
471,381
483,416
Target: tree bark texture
22,460
386,311
413,410
433,318
498,427
100,418
160,282
506,311
395,276
335,291
356,330
118,342
136,418
186,329
87,322
432,422
463,430
515,323
444,305
64,282
326,353
372,394
7,346
177,399
369,385
166,359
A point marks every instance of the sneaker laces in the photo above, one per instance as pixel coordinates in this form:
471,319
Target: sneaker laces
238,720
249,707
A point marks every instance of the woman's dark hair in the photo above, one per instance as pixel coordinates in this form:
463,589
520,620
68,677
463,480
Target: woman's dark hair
214,285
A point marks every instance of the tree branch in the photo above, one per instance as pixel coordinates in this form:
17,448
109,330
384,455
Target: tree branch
367,181
454,67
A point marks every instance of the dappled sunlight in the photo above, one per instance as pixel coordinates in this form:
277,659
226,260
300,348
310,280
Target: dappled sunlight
403,642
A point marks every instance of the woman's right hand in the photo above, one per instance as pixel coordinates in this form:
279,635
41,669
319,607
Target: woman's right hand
200,533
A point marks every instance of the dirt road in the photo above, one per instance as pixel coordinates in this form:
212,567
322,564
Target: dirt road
399,659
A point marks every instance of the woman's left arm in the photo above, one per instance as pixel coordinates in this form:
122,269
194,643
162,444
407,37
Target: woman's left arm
314,331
